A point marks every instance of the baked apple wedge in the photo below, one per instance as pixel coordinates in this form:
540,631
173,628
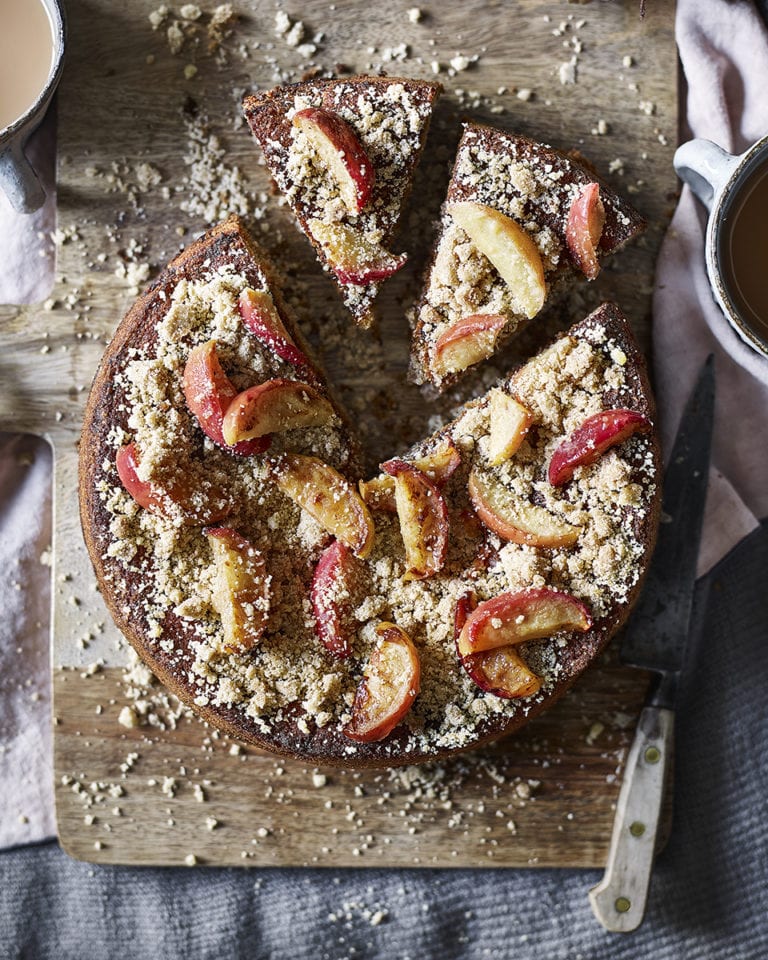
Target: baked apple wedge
586,218
510,421
206,504
389,686
438,464
513,618
468,341
241,588
351,256
209,392
509,248
423,519
340,153
274,407
590,441
333,584
260,316
514,519
326,496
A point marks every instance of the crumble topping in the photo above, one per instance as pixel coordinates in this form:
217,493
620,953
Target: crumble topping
525,181
390,120
290,669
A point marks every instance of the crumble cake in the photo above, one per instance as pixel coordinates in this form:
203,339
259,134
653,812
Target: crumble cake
521,221
343,153
440,604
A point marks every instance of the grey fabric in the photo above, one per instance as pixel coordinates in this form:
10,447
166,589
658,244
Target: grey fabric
709,897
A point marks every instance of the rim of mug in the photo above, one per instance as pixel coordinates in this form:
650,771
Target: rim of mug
55,10
753,158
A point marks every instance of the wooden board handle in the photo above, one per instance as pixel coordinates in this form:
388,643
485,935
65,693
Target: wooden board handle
618,901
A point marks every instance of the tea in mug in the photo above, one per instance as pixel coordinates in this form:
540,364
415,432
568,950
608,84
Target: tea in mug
26,56
743,251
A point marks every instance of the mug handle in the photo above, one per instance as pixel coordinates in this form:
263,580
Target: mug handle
19,180
705,167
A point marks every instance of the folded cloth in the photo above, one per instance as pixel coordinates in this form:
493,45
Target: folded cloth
27,264
26,781
724,52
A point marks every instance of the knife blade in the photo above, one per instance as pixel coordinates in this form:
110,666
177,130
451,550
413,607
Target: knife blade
656,640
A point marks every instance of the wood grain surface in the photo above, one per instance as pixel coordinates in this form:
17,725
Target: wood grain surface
153,150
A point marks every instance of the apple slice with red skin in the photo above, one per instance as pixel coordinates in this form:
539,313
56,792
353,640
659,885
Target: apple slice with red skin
510,249
583,229
500,672
274,407
438,464
510,421
260,316
513,618
209,392
423,519
207,505
322,491
389,686
514,519
590,441
353,258
241,588
343,156
466,342
334,580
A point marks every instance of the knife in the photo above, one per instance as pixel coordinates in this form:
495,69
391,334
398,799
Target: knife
655,640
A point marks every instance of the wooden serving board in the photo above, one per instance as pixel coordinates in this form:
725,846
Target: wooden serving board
138,126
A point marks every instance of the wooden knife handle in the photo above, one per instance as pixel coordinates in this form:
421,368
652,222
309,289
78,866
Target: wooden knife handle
618,901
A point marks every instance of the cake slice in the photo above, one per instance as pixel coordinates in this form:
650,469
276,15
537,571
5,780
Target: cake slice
459,593
343,153
520,222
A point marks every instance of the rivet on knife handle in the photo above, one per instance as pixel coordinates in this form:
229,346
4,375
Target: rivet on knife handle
618,901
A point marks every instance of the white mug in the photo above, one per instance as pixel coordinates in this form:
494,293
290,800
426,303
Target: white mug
723,183
17,178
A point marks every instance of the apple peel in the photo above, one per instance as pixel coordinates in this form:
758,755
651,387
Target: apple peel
590,441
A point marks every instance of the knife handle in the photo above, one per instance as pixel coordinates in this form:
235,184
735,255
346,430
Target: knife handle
618,901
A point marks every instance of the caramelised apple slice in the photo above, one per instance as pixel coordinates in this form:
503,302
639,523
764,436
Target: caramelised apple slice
501,671
389,686
438,464
509,424
274,407
468,341
326,496
586,218
513,618
590,441
423,519
209,392
240,593
509,248
260,316
336,576
340,153
207,504
514,519
352,257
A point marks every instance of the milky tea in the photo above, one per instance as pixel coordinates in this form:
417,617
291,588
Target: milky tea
742,251
26,56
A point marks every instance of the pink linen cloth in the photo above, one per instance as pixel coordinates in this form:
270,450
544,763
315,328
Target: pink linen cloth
724,50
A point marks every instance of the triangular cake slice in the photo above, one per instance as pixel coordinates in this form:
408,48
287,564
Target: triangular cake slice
343,153
520,222
455,596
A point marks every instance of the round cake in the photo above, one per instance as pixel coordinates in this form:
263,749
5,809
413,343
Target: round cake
421,612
